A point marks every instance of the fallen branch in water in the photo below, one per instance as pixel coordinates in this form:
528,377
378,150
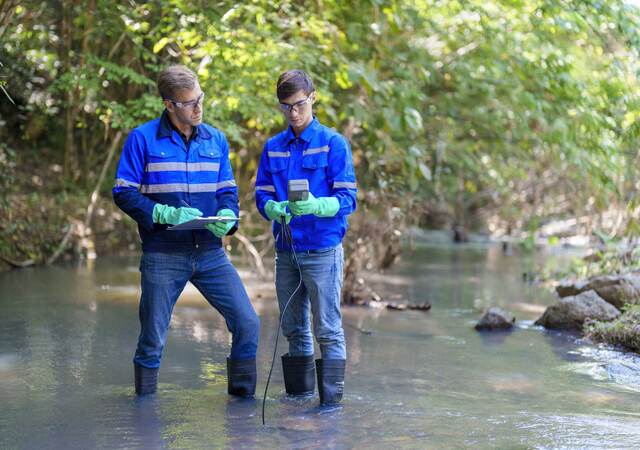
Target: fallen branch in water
18,264
404,307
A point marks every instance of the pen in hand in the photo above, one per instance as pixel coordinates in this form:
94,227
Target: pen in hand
186,204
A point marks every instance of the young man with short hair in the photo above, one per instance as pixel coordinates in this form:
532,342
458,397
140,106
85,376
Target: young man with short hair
173,169
307,150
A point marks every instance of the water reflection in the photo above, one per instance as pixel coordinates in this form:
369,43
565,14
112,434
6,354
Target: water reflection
147,426
241,416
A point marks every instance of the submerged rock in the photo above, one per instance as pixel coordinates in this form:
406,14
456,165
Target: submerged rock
617,290
495,319
625,331
570,313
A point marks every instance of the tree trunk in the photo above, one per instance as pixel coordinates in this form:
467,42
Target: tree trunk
70,158
7,10
87,151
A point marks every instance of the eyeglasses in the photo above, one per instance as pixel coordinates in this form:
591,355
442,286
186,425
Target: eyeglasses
297,106
191,103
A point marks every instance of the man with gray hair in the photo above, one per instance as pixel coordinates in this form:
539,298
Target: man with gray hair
174,169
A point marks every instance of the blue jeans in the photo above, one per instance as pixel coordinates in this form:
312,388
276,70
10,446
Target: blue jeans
319,296
164,276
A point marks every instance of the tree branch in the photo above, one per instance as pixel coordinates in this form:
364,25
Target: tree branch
253,252
63,245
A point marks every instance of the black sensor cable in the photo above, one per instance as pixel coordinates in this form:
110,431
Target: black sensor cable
288,238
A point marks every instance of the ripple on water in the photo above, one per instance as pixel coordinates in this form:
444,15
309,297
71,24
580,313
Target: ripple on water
452,339
605,364
582,431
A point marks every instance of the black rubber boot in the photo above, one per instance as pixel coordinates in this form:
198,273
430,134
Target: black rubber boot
330,380
299,374
146,380
241,377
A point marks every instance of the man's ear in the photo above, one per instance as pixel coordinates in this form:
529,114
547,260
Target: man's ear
167,104
313,97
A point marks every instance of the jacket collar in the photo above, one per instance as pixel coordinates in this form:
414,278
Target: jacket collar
307,133
165,128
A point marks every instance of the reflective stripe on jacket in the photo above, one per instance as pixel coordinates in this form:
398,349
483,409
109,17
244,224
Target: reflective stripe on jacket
322,156
157,167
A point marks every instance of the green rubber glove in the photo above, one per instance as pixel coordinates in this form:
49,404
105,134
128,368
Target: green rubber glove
168,215
275,211
221,228
321,206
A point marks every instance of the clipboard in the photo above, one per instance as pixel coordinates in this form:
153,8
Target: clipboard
199,223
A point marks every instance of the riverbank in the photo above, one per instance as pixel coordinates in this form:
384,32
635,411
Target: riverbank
604,306
37,227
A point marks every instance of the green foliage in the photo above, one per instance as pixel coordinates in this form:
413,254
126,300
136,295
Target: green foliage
26,235
611,258
528,109
7,171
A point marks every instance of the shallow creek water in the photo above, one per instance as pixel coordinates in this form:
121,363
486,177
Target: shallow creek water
414,379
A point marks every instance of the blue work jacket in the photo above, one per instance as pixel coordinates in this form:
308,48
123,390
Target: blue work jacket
156,166
322,156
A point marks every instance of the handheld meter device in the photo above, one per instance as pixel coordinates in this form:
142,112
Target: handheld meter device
298,190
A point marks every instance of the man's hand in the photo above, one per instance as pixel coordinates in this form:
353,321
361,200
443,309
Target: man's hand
220,229
275,211
168,215
321,206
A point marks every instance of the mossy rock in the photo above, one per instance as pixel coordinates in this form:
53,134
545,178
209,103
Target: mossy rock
624,331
